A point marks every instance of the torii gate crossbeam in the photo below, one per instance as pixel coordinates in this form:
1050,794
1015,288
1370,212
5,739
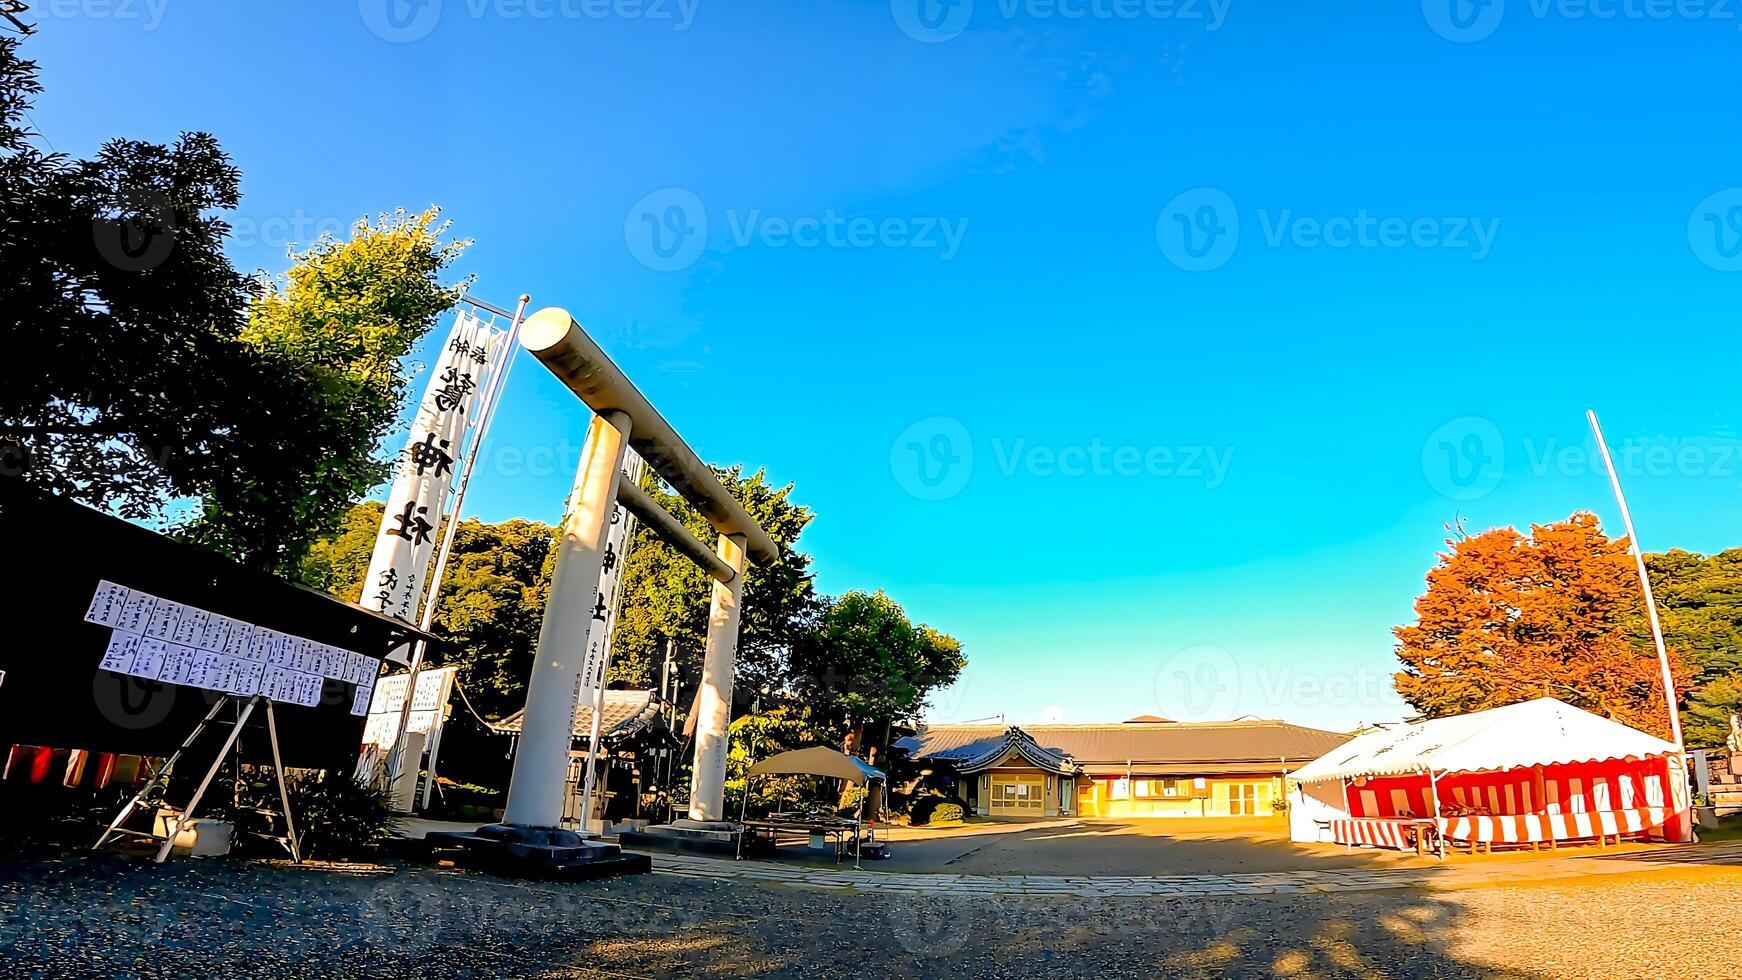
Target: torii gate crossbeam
624,418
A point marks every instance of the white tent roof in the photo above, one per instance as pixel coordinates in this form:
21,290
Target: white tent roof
1543,732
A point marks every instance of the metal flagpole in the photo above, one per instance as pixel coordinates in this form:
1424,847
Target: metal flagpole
486,413
1675,721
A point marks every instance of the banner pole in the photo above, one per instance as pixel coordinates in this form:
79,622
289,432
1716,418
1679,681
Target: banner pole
631,465
1675,722
486,414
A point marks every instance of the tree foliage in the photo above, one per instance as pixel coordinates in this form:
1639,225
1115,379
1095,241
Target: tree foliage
865,662
127,381
1509,617
490,606
140,374
1699,601
665,595
345,317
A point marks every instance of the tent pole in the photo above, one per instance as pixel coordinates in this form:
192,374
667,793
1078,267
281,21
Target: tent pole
743,808
1433,782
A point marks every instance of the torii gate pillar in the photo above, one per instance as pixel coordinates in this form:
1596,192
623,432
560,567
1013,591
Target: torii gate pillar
541,763
714,707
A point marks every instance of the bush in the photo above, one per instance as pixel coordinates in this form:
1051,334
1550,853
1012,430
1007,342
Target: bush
946,813
336,816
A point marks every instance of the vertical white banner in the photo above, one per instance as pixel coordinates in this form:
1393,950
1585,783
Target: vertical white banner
598,658
426,470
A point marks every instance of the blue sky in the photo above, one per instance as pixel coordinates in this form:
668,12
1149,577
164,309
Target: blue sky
1146,350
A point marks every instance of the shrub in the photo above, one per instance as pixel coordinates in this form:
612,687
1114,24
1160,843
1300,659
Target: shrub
338,816
946,813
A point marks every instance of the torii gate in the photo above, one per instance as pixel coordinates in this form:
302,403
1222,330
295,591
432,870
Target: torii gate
623,417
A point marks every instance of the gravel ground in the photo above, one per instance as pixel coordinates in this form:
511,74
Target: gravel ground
100,917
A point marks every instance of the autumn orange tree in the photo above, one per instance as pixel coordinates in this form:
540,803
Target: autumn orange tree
1509,617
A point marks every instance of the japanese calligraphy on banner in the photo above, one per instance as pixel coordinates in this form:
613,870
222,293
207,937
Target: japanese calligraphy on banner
427,705
425,471
162,640
598,658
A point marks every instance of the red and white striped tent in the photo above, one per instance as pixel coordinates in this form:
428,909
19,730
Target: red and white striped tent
1535,772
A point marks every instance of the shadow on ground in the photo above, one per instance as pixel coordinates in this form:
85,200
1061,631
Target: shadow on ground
107,917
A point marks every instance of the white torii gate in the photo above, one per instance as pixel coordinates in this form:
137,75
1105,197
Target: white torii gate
623,417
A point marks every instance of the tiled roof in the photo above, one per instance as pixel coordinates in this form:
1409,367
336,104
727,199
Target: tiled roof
626,712
987,748
1181,742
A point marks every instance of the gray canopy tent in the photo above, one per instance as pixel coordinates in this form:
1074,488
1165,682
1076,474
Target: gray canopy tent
818,760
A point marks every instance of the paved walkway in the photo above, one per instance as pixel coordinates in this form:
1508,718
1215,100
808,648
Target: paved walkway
1502,870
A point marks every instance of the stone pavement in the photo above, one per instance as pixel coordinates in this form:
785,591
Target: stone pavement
1454,874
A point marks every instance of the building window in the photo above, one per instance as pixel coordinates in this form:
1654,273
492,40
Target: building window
1121,789
1243,798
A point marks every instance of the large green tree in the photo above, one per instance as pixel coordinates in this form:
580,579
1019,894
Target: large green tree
490,606
1699,600
665,595
126,379
346,316
865,664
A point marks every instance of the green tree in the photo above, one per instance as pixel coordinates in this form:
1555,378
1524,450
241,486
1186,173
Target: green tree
491,603
346,316
1699,602
865,664
665,595
126,381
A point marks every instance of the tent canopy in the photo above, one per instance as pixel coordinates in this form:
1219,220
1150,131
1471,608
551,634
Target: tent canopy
819,760
1544,732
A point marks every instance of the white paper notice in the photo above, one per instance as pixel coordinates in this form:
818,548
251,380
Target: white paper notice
360,701
122,647
249,675
136,613
164,619
241,641
107,604
191,628
148,658
272,683
206,670
178,661
217,633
